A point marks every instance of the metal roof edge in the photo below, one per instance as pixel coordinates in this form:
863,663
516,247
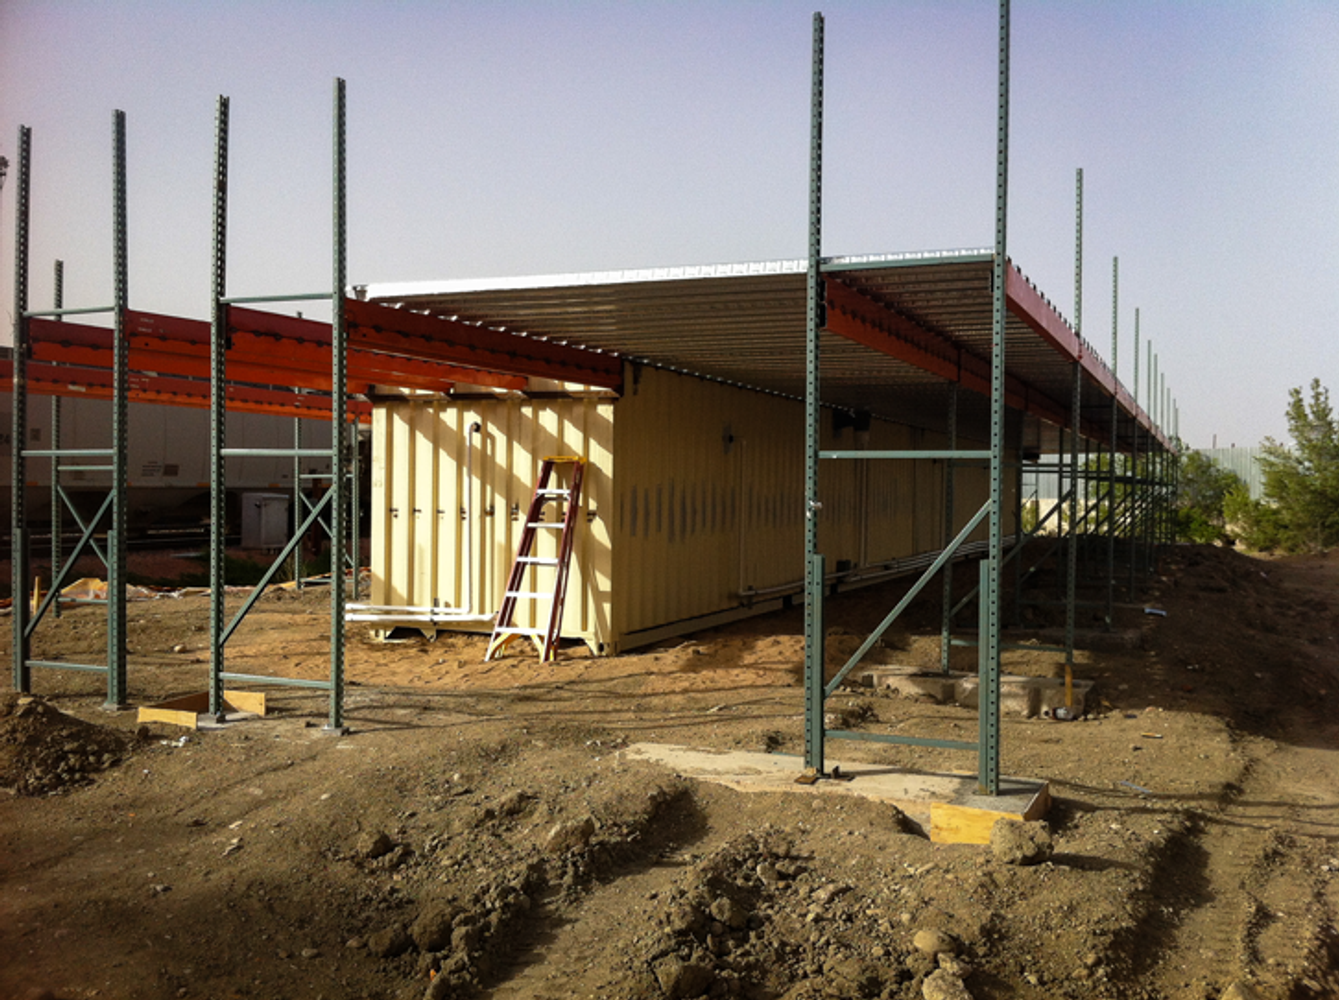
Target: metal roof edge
683,272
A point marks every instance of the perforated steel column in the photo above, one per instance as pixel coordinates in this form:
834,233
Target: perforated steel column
116,534
218,397
813,560
988,760
18,429
338,384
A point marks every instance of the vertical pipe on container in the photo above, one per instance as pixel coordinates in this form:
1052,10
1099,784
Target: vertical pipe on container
814,321
338,386
116,535
355,523
18,542
1111,454
218,412
950,468
57,518
299,513
988,759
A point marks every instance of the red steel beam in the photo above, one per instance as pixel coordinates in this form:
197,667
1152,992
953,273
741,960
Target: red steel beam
408,334
1031,307
859,318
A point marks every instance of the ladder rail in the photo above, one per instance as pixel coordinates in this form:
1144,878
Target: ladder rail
545,638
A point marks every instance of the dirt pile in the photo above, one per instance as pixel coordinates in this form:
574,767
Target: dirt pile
43,750
479,833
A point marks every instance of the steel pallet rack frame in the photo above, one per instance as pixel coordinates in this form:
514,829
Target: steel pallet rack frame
816,691
26,619
334,497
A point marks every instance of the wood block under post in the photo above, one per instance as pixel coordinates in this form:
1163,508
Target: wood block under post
969,819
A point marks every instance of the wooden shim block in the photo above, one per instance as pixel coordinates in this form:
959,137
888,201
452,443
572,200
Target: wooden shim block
969,822
186,711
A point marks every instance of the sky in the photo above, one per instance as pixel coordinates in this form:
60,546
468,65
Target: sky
492,139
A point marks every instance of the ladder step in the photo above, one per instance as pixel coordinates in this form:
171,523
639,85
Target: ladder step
510,630
538,560
545,524
530,593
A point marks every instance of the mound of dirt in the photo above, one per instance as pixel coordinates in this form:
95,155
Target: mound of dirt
44,751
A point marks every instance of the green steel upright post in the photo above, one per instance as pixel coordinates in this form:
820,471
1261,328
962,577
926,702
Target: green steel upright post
814,320
18,429
116,535
1072,572
1111,454
218,414
338,385
1136,492
988,759
950,469
1076,422
1152,462
57,508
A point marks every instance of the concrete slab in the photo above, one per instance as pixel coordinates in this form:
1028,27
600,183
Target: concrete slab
1025,696
945,805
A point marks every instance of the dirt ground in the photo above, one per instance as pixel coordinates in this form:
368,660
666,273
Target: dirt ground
478,833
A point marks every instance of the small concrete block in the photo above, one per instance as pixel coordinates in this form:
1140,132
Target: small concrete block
912,683
1018,695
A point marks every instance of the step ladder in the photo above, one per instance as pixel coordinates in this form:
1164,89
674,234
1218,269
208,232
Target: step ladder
569,498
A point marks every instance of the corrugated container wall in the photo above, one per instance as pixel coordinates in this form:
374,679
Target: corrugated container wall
693,502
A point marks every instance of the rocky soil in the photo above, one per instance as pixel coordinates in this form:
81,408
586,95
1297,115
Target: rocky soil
478,832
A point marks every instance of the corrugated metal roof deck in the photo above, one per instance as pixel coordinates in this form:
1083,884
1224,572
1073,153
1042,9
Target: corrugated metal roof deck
745,323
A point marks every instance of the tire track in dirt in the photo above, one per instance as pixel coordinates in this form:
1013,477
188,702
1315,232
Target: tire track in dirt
1245,893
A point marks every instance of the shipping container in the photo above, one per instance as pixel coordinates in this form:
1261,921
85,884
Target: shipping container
692,509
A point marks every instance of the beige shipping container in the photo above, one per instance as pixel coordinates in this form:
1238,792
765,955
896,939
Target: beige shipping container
692,508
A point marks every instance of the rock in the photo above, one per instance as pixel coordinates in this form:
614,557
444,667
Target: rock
1016,842
566,836
941,985
431,930
954,965
1240,991
853,978
933,942
311,952
730,913
827,893
390,942
513,803
681,980
373,845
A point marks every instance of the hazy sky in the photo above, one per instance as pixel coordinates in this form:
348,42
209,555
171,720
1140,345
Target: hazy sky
494,139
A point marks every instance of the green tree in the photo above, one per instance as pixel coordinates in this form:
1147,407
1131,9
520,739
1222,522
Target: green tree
1301,481
1203,488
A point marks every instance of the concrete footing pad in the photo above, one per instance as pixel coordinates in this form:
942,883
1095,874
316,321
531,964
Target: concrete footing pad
1025,696
946,806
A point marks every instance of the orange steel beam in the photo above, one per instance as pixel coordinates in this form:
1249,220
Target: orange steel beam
181,347
46,379
408,334
861,319
303,344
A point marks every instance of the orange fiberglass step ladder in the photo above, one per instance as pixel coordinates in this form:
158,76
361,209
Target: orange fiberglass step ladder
545,639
